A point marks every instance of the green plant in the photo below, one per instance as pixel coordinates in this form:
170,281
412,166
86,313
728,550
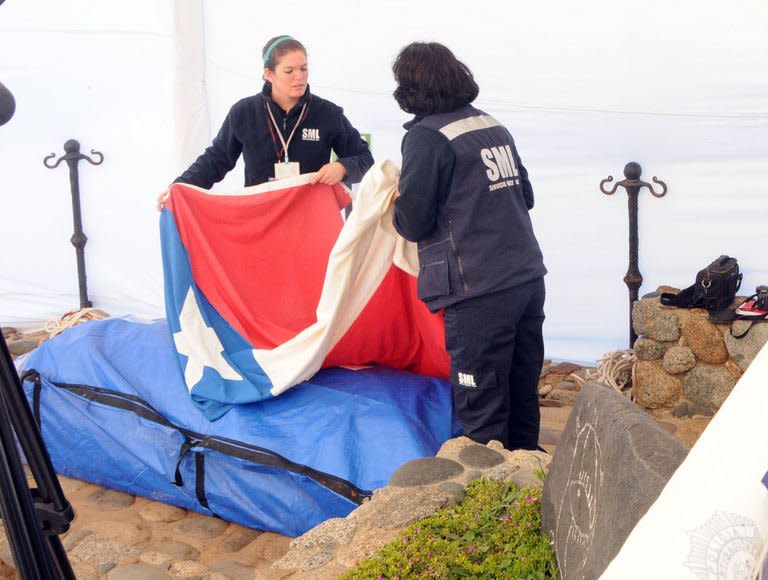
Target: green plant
495,532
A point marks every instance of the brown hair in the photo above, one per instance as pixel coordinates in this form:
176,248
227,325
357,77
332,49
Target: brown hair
432,80
276,47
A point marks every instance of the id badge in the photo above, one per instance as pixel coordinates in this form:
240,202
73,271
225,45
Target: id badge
283,170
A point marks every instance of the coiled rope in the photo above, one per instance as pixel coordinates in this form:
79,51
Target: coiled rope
73,318
614,370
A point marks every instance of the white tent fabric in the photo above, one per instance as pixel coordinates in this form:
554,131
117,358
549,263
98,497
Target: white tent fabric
711,519
584,87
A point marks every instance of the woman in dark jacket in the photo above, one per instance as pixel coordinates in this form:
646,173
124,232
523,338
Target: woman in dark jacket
284,130
464,197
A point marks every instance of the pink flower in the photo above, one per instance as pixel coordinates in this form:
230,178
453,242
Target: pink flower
472,549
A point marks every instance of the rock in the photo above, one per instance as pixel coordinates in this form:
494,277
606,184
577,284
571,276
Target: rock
502,472
611,463
564,368
161,512
455,490
562,396
681,410
653,387
73,537
22,346
708,385
651,321
567,386
668,427
480,456
425,471
122,531
495,445
201,527
315,560
327,535
704,339
743,350
238,540
367,543
98,551
696,409
396,507
734,369
529,460
544,389
137,572
109,499
217,576
188,569
525,478
472,475
648,349
9,331
176,550
6,553
451,448
678,359
157,559
550,403
235,571
267,546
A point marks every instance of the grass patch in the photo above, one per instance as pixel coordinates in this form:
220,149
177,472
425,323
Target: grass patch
495,532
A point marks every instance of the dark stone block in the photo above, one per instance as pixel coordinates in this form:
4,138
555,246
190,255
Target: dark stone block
610,465
425,471
480,456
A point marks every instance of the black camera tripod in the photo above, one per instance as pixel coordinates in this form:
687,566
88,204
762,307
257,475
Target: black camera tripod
35,517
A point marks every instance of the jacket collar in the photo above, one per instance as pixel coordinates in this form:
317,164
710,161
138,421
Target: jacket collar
266,93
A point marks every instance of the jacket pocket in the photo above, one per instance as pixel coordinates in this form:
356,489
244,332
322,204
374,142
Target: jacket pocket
434,280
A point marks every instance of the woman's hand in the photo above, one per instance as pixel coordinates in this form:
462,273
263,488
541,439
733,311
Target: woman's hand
330,173
161,199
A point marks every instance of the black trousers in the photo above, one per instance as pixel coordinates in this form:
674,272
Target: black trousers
497,350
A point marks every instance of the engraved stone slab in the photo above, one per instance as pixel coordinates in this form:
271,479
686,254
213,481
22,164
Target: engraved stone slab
610,464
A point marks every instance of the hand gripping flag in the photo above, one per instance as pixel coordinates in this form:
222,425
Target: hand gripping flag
266,286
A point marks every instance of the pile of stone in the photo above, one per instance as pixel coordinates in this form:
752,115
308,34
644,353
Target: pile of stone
557,385
414,492
684,360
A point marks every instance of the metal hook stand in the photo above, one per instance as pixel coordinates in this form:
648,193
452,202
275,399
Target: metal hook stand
633,279
72,156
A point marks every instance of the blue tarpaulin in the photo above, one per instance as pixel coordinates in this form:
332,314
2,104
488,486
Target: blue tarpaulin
115,411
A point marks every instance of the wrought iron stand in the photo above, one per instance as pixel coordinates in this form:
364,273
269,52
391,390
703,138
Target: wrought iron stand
633,279
72,156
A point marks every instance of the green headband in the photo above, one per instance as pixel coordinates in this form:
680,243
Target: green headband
273,45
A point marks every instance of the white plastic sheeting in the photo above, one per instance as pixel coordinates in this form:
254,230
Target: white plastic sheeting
584,87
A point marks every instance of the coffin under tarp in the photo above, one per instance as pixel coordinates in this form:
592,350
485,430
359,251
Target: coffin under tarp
114,410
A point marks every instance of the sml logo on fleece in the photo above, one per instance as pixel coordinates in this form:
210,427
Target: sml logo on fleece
501,165
263,288
308,134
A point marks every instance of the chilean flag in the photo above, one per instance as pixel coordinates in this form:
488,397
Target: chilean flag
267,285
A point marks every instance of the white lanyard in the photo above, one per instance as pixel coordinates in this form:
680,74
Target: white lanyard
279,133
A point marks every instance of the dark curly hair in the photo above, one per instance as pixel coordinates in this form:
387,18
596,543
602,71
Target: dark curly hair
430,79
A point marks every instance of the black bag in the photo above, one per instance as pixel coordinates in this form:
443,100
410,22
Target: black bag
715,287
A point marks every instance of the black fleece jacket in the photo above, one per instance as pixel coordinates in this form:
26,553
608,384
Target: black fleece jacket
248,130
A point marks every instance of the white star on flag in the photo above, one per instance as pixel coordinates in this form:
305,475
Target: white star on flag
199,342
